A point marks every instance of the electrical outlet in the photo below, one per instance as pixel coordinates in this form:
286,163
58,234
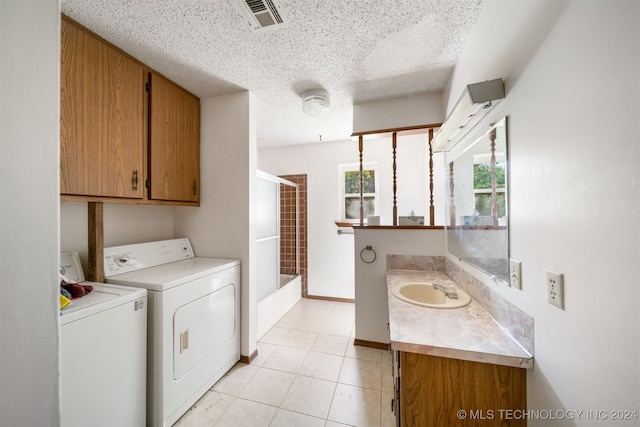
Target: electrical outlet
555,289
515,273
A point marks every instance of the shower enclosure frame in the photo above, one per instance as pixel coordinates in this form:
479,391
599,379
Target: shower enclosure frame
278,235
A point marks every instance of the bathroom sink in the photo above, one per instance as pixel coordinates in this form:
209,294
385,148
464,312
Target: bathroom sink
424,294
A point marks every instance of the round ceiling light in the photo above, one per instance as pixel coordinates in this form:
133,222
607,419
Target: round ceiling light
315,102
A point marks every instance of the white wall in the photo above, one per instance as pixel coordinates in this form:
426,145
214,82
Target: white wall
571,76
224,224
330,256
29,137
372,306
423,109
123,224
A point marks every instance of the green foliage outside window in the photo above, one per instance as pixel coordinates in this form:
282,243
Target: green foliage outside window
482,181
482,175
352,182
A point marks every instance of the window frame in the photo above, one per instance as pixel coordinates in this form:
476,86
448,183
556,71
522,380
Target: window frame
355,167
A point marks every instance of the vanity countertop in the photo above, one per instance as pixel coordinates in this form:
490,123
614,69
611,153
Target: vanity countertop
466,333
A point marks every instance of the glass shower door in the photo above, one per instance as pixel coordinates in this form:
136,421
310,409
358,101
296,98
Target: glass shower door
268,243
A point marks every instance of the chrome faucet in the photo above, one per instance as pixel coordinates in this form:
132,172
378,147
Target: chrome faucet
449,291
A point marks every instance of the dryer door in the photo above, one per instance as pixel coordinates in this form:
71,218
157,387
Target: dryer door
201,327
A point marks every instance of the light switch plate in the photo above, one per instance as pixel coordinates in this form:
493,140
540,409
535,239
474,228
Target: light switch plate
515,274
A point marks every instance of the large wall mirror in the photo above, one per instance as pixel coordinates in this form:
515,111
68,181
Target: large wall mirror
477,220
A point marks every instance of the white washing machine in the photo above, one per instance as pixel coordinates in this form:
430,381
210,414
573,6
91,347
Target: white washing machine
193,320
103,352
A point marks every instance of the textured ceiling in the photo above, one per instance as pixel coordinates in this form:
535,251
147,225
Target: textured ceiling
357,50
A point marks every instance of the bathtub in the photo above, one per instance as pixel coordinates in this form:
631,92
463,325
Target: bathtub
272,307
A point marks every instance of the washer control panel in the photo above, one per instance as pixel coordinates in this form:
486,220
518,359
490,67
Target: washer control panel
123,259
70,266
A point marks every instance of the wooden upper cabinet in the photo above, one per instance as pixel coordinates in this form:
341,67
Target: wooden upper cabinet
118,141
102,118
174,142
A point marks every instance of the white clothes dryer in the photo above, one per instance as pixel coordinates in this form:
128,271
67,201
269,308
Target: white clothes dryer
193,320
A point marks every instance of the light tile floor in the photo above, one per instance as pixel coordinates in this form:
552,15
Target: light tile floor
308,373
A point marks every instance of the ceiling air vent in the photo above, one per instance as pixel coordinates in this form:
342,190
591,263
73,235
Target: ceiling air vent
260,14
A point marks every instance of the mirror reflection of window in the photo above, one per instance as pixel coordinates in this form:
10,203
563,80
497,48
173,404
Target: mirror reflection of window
478,229
482,184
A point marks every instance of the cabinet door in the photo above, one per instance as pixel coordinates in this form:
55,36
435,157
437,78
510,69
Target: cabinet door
102,121
174,142
434,389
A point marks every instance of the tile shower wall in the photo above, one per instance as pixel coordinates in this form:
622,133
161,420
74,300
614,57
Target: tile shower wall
288,227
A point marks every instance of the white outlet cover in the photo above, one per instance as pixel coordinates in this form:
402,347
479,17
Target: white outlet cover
515,274
555,289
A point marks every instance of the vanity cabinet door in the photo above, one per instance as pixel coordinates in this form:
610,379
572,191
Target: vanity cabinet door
434,389
174,142
102,121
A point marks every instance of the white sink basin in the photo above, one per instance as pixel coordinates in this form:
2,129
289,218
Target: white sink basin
424,294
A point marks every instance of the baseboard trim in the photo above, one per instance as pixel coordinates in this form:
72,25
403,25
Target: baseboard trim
330,298
372,344
249,359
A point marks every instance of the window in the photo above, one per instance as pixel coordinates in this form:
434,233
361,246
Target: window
350,191
482,184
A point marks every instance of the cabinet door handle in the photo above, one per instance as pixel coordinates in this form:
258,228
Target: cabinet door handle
135,180
195,187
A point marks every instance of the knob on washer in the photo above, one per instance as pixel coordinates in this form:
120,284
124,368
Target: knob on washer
121,259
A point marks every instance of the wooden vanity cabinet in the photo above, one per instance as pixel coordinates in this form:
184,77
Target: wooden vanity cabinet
102,123
174,144
127,134
429,391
